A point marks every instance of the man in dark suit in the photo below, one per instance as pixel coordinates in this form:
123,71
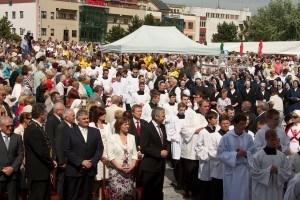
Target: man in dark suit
55,97
39,163
63,127
155,148
261,109
137,124
53,121
83,148
12,154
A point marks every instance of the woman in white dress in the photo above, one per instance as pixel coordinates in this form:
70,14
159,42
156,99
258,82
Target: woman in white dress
98,121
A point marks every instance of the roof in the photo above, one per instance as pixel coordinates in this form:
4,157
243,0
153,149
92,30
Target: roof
160,5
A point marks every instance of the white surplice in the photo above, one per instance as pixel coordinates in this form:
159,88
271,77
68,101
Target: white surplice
293,189
236,176
267,186
189,138
175,137
216,166
295,163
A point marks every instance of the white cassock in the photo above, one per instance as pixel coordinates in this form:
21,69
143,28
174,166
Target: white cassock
175,137
189,138
91,72
202,153
171,112
293,189
260,141
106,83
216,167
236,173
119,88
267,186
112,72
295,163
138,98
146,112
131,88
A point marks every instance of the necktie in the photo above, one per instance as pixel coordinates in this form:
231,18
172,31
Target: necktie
6,141
138,129
160,135
84,134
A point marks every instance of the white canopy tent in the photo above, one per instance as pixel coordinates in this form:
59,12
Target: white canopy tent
158,39
280,47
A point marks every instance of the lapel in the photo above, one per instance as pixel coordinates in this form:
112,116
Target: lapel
133,128
2,143
89,135
156,134
79,134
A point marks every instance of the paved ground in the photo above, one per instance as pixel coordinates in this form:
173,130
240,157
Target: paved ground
170,193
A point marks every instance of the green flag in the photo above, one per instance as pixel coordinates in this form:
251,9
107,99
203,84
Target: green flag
222,46
205,43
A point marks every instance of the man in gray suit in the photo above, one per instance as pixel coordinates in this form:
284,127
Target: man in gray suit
12,154
98,90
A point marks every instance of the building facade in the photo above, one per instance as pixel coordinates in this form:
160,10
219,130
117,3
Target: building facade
209,18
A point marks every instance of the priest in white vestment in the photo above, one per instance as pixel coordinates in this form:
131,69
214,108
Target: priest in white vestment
270,170
235,152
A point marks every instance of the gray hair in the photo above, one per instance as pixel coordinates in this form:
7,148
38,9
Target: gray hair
263,105
157,112
57,105
67,112
4,118
81,112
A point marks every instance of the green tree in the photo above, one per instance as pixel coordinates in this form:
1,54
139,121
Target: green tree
136,23
150,20
115,33
226,33
279,21
5,27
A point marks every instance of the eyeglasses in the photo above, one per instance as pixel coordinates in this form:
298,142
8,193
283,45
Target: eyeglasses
9,126
295,117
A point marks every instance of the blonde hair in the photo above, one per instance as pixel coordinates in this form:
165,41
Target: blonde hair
22,98
91,104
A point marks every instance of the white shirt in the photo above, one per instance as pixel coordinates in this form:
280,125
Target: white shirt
159,131
60,88
83,132
278,103
4,137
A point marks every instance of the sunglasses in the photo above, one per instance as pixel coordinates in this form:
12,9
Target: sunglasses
3,95
2,113
29,118
9,126
295,117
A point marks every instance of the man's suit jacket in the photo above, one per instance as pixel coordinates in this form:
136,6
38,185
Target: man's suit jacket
39,163
132,130
60,131
12,157
151,146
253,127
51,125
76,150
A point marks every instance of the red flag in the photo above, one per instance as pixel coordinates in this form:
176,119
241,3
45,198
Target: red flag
260,46
242,49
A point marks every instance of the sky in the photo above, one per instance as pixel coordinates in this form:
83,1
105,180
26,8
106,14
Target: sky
225,4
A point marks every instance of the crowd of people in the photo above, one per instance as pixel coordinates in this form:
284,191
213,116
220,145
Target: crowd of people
84,124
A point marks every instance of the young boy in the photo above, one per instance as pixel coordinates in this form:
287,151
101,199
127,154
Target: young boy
270,170
202,150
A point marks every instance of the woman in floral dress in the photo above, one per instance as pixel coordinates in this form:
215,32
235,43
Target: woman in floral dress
122,154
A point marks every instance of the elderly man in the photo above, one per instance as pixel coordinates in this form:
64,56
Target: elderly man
110,111
155,148
12,154
39,162
83,148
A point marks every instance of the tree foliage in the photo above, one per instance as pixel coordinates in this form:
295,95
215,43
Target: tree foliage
150,20
279,21
5,27
226,33
115,33
136,23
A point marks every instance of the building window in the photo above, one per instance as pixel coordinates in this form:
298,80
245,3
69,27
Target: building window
62,15
212,15
71,16
44,14
52,32
191,25
125,21
74,33
21,14
202,24
207,14
13,15
128,6
22,31
202,35
13,30
6,14
222,16
218,15
44,31
227,16
52,15
115,20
